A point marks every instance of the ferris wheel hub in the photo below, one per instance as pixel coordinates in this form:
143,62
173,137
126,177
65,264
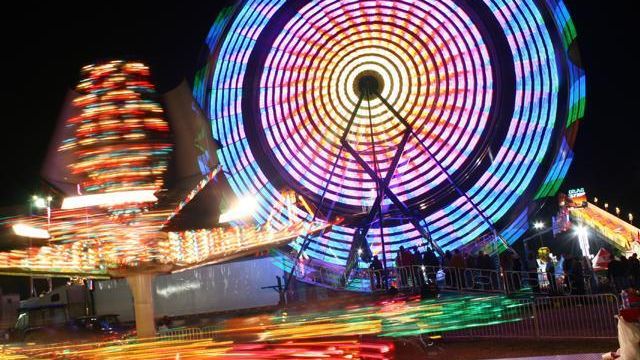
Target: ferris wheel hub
368,83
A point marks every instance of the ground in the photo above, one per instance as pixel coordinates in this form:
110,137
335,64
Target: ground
498,349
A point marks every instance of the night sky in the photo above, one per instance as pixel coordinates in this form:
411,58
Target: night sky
44,47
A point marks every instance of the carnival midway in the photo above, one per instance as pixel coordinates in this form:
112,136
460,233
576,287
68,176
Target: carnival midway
339,180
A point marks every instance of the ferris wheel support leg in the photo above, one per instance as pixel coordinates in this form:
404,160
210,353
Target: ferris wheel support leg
376,209
394,199
443,170
307,238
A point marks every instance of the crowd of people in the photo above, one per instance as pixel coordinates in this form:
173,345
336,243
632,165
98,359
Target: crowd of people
407,259
566,275
625,272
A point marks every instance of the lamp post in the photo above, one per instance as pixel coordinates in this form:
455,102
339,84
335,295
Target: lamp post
595,200
618,211
631,218
606,206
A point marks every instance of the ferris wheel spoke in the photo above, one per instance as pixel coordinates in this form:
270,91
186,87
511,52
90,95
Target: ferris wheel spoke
443,170
307,237
392,196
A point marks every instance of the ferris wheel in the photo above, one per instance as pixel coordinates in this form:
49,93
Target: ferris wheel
405,123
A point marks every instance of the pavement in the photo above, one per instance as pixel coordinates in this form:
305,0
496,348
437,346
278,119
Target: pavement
561,357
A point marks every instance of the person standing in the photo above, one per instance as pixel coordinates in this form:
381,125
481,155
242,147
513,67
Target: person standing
484,264
517,270
430,259
550,270
376,269
566,270
532,268
416,269
401,262
624,272
431,263
634,270
613,273
577,277
446,266
457,264
506,266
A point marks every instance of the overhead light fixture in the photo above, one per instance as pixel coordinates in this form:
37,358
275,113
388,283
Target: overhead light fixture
29,231
39,202
109,199
244,208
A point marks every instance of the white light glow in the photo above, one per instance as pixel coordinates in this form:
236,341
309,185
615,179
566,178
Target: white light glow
39,203
30,231
538,225
583,240
582,231
244,208
109,199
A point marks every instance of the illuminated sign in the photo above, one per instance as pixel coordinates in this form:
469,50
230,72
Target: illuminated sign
578,197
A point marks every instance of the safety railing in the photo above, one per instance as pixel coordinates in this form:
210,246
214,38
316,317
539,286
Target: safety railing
558,317
479,280
181,334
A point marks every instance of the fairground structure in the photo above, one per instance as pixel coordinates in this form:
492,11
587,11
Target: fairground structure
331,132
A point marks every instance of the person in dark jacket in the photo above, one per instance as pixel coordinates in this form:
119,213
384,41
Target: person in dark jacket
614,273
532,269
430,258
517,271
624,271
402,261
634,270
376,268
566,270
577,277
416,270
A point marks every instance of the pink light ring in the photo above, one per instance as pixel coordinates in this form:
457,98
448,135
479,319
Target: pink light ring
519,137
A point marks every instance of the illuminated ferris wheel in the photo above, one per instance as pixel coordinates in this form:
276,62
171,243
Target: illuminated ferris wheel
416,123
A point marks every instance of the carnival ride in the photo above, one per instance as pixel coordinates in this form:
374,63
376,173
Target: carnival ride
616,231
121,150
119,224
403,123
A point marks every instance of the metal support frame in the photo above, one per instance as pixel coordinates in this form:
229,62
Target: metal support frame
307,238
443,170
396,201
376,208
383,190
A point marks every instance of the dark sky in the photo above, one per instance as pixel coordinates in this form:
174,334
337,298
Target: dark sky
44,46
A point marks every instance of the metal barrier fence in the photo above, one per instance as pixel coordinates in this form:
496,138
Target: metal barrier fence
560,317
480,280
565,317
181,334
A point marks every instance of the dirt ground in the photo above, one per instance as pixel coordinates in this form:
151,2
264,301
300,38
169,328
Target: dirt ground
499,348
